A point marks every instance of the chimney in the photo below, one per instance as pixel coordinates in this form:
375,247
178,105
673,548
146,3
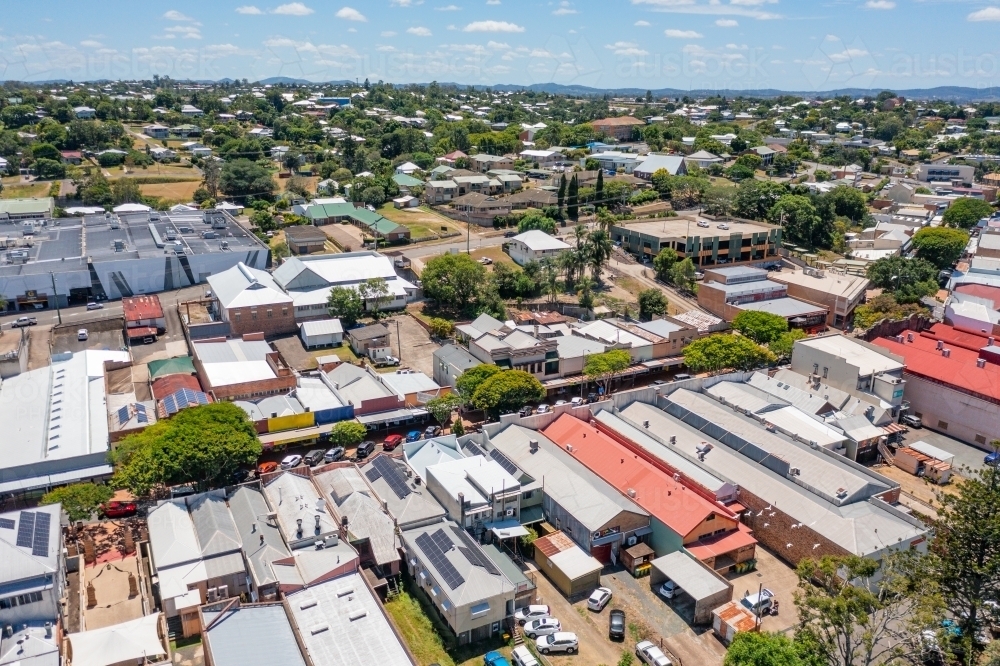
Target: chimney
909,337
980,362
298,530
262,539
990,339
48,630
940,345
317,517
946,353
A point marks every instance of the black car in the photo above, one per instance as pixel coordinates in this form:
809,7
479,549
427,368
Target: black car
525,411
591,397
616,626
365,449
432,431
510,234
314,457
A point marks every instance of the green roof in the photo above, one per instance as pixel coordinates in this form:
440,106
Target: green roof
386,227
323,211
404,180
373,221
26,206
182,365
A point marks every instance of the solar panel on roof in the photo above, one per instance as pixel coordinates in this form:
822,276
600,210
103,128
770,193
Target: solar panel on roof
140,408
141,417
392,476
40,542
7,523
439,561
374,474
473,553
25,529
123,414
503,461
475,450
442,540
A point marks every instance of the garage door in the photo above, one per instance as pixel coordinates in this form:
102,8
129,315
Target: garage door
602,553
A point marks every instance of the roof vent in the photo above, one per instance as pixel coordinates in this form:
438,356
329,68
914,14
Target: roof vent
357,615
940,345
980,362
631,492
533,445
673,439
909,337
309,603
344,591
319,629
569,447
946,353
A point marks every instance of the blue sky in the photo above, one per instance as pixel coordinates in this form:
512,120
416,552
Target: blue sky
737,44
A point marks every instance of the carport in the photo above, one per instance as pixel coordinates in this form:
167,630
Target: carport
569,567
708,589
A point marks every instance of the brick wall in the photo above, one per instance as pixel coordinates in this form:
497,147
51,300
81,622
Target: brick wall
269,320
779,533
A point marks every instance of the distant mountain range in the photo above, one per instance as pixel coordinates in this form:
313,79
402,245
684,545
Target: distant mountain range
959,94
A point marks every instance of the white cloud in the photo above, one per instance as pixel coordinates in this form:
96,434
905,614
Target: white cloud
292,9
388,33
626,49
174,15
91,44
449,8
737,47
385,48
727,23
498,46
847,54
564,9
753,3
748,8
184,31
831,38
642,24
493,2
249,9
682,34
351,14
985,14
493,26
419,31
880,4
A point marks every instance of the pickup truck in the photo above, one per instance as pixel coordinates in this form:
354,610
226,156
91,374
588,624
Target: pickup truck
385,361
23,321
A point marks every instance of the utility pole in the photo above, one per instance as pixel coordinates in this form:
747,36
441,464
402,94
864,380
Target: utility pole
399,341
55,293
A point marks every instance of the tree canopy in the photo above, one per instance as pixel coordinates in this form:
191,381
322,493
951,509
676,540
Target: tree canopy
652,302
205,445
909,280
347,433
761,327
942,246
725,351
79,500
507,391
760,648
242,178
603,368
469,381
965,212
454,281
346,304
442,407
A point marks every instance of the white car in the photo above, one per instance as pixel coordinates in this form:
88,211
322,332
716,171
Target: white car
723,226
529,613
543,409
703,223
82,334
95,306
542,627
521,656
599,598
291,461
561,641
651,655
668,589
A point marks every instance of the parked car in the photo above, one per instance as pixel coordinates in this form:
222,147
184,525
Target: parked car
759,603
532,612
577,401
525,411
267,467
413,435
115,509
681,377
521,656
543,409
723,226
314,457
616,625
560,403
365,449
23,321
485,261
82,334
651,655
668,589
291,461
912,421
509,234
599,598
992,458
494,658
703,223
432,431
561,641
334,454
591,398
95,306
542,627
391,442
182,491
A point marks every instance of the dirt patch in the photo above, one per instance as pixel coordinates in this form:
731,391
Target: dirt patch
417,349
918,486
302,359
39,339
181,191
346,236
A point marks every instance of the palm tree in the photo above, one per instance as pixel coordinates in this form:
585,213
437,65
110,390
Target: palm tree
550,280
585,287
598,252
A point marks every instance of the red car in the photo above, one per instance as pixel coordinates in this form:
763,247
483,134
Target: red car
119,509
267,467
391,442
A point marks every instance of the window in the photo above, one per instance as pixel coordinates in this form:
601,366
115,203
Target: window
253,315
237,315
284,312
980,439
270,312
20,600
527,494
943,425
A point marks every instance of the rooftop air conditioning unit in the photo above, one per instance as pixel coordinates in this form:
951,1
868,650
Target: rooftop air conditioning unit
946,353
213,594
632,541
223,591
510,512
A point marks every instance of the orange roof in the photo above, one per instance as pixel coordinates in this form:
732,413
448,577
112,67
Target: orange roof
721,544
736,615
551,544
618,120
675,505
138,308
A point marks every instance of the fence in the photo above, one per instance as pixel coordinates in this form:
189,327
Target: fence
887,329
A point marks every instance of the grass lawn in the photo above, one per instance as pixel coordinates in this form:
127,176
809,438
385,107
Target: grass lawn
629,284
494,253
422,222
179,192
26,191
155,170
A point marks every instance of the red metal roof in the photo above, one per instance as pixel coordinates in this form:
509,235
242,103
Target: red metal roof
137,308
164,386
721,544
680,508
923,359
953,337
140,331
981,291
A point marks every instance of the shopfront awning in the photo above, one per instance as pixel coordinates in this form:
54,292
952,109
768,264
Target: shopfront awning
391,416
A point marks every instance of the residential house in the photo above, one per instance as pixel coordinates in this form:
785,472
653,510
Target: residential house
672,164
365,338
440,191
482,162
621,128
250,301
161,154
84,112
407,168
535,245
156,131
480,208
191,111
703,159
450,361
543,158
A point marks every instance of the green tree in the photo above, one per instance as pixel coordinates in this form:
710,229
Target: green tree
682,275
603,368
347,434
573,199
470,380
454,281
96,190
585,287
761,327
45,151
848,202
211,175
442,407
725,351
125,190
942,246
801,221
375,295
652,302
599,189
263,220
782,346
507,392
561,194
753,648
719,200
242,178
441,328
755,198
909,280
204,445
79,500
965,212
535,220
599,247
664,262
346,304
50,169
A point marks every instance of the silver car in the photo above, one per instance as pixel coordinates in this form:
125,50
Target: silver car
561,641
542,627
651,655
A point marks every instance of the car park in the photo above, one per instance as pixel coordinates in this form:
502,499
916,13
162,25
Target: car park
668,590
561,641
541,627
314,457
521,656
651,655
413,436
365,449
116,509
391,442
432,431
82,334
267,467
616,625
334,454
494,658
291,461
599,598
95,306
532,612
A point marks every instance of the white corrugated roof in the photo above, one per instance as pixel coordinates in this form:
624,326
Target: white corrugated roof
538,241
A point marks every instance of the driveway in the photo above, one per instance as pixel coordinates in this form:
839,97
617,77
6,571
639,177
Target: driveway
417,348
966,455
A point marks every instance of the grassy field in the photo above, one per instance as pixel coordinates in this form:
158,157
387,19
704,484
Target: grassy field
422,222
25,191
495,253
179,192
154,170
